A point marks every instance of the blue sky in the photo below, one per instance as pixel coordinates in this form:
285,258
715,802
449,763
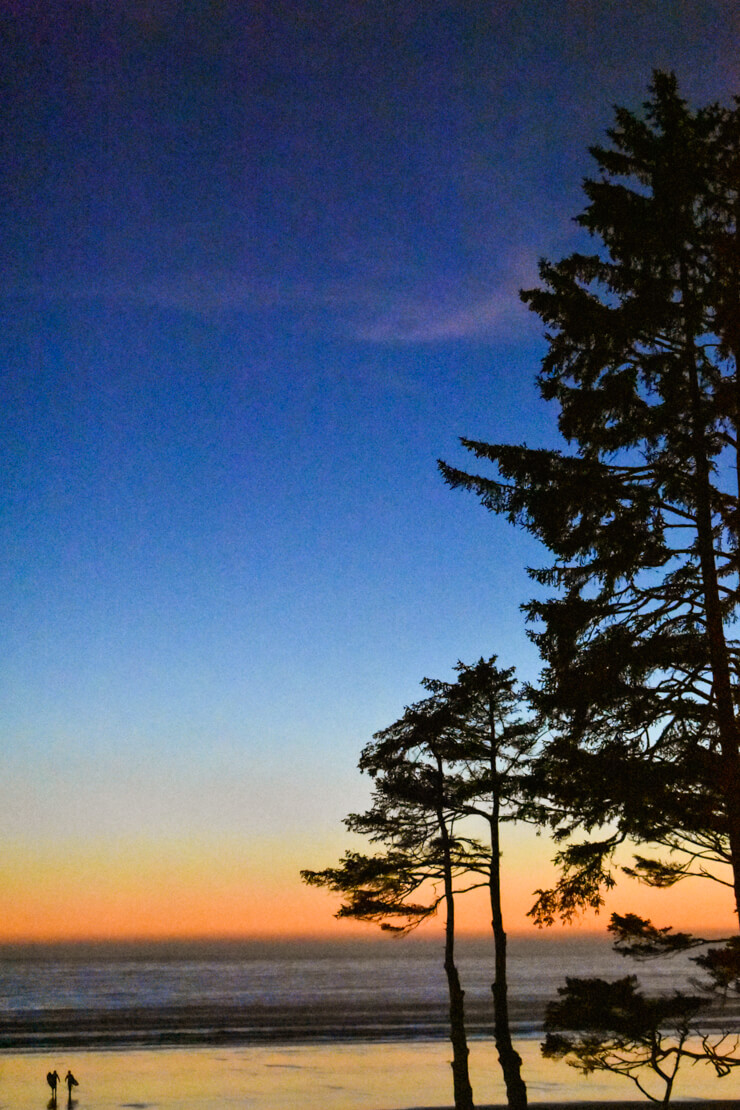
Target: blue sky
260,270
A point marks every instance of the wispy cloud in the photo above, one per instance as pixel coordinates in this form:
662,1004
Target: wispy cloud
363,303
384,306
429,321
433,316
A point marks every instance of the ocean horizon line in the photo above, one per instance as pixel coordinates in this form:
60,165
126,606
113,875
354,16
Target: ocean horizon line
565,935
230,945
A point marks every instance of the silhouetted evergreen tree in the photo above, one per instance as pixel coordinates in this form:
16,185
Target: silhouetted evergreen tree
640,683
458,757
492,744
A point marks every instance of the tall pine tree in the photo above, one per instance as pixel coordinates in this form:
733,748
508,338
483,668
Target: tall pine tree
640,511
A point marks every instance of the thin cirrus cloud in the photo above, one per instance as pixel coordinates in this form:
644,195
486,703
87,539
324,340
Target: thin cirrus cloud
476,311
366,302
374,308
368,314
433,321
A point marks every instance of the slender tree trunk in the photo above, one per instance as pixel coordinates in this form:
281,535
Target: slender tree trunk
460,1071
458,1036
669,1080
729,778
509,1058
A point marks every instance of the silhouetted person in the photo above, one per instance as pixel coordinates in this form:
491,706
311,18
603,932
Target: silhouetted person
52,1078
71,1082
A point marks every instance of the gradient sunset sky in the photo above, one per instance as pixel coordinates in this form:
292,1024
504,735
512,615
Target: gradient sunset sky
260,264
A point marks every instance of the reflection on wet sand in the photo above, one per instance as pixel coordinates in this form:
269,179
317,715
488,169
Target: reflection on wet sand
385,1076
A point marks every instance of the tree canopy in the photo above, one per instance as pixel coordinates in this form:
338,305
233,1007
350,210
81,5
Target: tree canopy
635,622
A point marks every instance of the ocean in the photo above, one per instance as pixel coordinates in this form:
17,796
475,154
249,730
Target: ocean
251,993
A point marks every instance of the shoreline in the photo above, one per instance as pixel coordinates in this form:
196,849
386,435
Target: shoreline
209,1026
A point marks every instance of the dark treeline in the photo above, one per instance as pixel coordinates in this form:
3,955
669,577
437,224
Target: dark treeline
631,736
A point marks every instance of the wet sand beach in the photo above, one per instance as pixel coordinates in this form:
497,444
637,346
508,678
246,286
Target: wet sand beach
385,1076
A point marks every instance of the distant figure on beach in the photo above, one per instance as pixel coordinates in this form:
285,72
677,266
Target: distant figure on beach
71,1082
52,1078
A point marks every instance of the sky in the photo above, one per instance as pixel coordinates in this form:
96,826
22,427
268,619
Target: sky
259,270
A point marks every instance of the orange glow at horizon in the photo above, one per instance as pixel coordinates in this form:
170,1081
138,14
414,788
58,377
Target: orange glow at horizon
145,890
